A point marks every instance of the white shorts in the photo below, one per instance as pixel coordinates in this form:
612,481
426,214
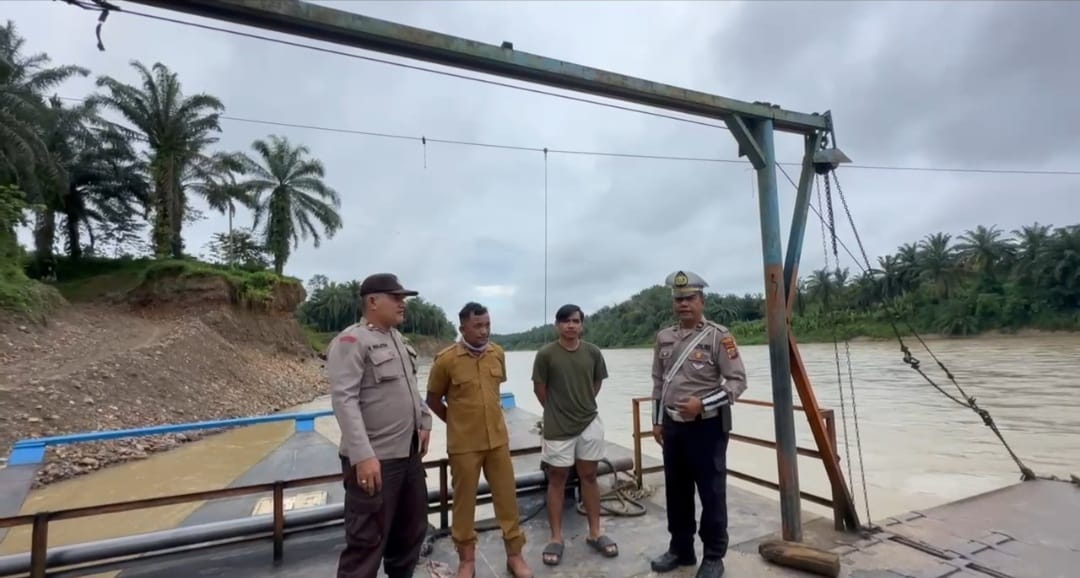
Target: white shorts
587,446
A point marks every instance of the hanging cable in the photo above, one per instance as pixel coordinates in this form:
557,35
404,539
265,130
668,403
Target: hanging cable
847,359
836,351
964,399
545,317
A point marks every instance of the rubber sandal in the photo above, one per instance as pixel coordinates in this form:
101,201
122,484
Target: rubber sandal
553,554
604,545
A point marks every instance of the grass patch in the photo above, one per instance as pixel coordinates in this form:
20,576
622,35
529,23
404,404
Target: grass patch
89,279
318,340
251,288
27,298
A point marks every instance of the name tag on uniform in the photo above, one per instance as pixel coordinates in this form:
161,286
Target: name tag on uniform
699,358
379,345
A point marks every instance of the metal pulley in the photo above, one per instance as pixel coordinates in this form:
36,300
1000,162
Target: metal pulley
828,158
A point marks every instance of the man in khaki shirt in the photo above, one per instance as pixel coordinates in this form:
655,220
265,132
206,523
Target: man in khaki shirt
469,374
385,429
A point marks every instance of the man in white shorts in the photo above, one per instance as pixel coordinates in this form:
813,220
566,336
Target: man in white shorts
566,376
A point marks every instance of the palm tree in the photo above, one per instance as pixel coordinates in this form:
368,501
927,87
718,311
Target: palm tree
103,181
176,128
907,261
214,178
1033,241
984,250
819,286
889,270
1064,266
25,158
938,262
296,195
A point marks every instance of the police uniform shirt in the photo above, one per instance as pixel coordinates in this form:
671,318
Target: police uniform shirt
374,393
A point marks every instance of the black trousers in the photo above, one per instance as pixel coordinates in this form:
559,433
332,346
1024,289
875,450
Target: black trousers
388,527
695,453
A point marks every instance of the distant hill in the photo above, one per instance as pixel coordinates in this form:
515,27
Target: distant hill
984,282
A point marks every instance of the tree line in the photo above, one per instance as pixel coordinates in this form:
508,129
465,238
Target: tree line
981,280
333,306
97,184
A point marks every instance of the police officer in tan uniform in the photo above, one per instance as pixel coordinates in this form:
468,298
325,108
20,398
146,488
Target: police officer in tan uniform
697,374
385,428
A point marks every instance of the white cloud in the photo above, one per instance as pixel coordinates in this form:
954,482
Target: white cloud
489,291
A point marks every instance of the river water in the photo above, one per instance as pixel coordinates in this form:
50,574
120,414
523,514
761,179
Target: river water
919,448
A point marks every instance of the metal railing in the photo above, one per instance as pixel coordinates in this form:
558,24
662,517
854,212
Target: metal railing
830,426
39,540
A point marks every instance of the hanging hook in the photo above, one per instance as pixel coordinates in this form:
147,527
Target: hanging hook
423,141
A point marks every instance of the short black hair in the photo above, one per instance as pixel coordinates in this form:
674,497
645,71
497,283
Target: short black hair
471,308
564,312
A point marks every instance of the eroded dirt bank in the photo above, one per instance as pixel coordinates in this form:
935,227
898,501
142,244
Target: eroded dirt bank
147,361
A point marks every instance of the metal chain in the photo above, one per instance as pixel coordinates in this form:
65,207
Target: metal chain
965,400
851,380
836,350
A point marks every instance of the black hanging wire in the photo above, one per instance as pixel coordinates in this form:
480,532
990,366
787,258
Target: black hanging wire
545,317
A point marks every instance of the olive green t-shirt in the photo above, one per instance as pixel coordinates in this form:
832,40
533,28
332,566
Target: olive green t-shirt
569,377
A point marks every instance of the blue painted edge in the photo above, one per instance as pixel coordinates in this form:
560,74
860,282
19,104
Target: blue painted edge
507,400
32,451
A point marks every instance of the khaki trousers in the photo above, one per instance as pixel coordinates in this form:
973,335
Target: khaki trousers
498,468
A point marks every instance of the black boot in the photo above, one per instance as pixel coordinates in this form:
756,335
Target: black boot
711,568
669,561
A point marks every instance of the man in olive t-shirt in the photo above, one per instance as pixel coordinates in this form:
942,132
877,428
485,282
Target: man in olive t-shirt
566,376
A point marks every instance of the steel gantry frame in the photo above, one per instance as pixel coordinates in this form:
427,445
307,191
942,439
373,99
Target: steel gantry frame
752,124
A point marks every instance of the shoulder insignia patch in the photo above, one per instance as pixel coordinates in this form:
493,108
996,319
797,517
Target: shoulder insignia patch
347,339
729,345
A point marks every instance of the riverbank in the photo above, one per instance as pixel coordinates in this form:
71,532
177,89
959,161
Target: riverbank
99,367
754,334
139,343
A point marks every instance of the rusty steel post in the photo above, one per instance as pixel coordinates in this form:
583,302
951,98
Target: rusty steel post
838,493
776,322
279,520
39,545
844,505
638,474
444,497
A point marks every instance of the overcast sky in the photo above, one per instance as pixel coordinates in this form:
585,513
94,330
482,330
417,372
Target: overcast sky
942,84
